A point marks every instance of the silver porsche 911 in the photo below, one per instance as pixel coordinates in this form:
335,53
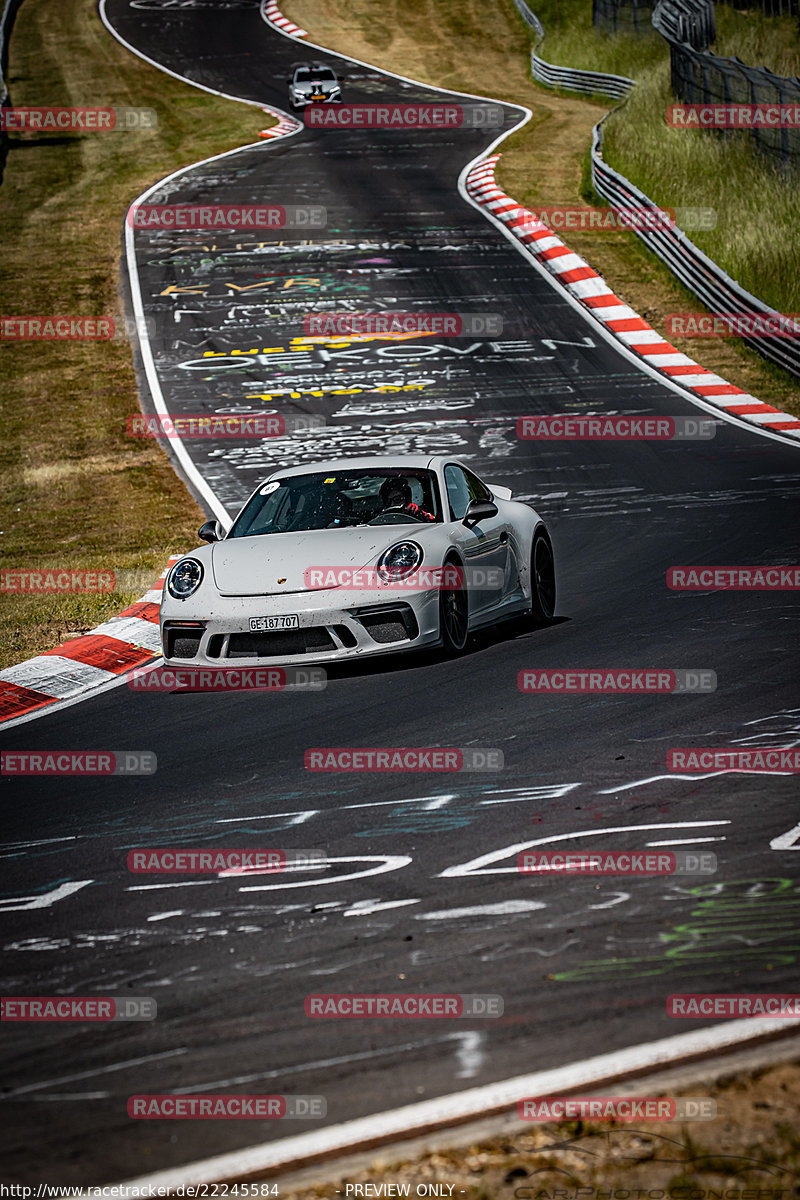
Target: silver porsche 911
354,557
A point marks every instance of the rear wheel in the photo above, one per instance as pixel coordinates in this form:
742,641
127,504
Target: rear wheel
543,579
454,614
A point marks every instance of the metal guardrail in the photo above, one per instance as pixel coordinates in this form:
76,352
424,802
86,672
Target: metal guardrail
588,83
695,270
690,21
530,17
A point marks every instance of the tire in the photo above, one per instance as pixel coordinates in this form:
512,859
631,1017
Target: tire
453,617
543,579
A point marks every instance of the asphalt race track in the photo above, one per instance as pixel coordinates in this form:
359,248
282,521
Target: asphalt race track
583,965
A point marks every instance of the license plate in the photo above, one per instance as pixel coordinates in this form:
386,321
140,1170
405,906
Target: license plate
262,624
319,96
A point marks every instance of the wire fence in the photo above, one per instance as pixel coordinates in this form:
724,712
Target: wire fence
699,77
623,16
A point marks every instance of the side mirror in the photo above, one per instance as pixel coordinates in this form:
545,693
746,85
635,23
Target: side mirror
477,511
340,78
212,531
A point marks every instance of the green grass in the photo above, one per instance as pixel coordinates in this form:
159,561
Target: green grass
78,493
570,40
757,238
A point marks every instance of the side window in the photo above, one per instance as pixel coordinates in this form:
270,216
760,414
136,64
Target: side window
477,490
458,490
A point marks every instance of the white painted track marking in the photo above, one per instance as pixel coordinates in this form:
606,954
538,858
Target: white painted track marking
475,865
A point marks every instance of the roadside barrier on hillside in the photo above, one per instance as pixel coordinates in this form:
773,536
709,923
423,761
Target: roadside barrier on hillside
691,21
570,79
530,17
693,268
588,83
698,76
688,263
590,290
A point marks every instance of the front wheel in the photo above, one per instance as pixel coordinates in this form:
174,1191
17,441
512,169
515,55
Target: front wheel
454,614
543,579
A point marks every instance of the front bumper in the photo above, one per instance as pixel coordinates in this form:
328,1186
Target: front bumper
336,624
305,101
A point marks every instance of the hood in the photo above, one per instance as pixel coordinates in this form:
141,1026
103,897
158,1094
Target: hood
252,566
324,85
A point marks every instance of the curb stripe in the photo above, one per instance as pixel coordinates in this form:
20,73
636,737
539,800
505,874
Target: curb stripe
15,700
273,16
83,663
574,274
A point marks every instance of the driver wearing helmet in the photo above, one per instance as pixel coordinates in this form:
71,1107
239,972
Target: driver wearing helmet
396,495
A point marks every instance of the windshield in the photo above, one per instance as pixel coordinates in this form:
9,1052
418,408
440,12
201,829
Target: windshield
341,500
302,76
325,74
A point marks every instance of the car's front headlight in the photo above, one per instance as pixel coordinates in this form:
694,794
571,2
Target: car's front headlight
399,561
184,578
